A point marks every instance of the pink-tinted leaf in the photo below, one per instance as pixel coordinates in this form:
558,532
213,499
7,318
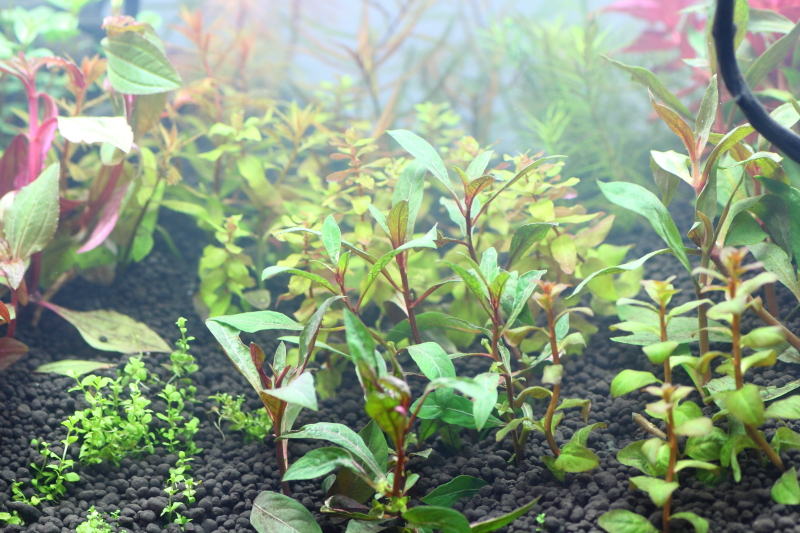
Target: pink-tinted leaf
108,219
14,269
14,164
75,74
339,176
11,350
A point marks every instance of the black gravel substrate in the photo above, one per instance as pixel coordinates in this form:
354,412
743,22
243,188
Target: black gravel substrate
231,473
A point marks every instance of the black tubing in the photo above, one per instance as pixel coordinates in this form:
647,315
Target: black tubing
723,31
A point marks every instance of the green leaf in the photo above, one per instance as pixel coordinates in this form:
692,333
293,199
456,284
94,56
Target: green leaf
659,490
643,202
776,261
443,519
582,435
700,524
425,154
66,367
697,427
319,462
631,380
651,81
660,352
524,237
451,408
31,221
673,163
772,57
785,439
746,405
432,360
627,267
112,332
493,524
332,238
786,490
427,241
90,130
275,270
300,391
791,196
137,66
410,187
346,438
482,389
452,491
707,447
708,113
276,513
622,521
576,458
785,409
398,222
633,455
552,374
228,338
474,283
310,331
431,320
478,165
258,321
362,347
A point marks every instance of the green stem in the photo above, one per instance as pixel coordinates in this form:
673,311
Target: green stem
551,409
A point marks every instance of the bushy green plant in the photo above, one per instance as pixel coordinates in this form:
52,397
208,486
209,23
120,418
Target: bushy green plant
254,424
95,523
180,486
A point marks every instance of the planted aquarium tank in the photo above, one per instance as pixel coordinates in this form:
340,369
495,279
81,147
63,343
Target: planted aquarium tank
399,266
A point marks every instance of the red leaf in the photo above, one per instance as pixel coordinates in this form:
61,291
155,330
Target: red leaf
4,314
14,164
10,351
108,219
339,176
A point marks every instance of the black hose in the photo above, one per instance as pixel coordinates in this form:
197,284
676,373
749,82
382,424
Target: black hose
723,31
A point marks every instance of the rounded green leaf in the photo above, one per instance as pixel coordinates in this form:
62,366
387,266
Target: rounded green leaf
788,408
319,462
699,523
746,405
432,360
622,521
786,489
631,380
443,519
452,491
660,352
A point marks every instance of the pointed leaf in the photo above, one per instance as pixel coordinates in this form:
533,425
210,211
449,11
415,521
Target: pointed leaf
276,513
137,66
300,391
651,81
627,267
310,331
66,367
259,321
425,154
452,491
631,380
319,462
622,521
332,238
493,524
786,490
275,270
111,331
432,360
31,221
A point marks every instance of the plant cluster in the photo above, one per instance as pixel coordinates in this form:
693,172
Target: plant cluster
255,425
95,523
180,486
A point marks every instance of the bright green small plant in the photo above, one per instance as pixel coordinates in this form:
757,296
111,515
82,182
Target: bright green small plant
11,518
254,424
117,421
94,523
50,475
178,433
183,363
180,486
540,518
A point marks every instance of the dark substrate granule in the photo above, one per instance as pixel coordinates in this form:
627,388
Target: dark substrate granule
231,473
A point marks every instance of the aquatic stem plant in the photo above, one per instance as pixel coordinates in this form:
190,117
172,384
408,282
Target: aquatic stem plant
289,387
744,401
681,419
